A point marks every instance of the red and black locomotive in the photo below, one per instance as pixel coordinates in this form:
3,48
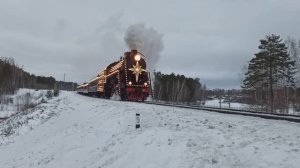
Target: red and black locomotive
127,78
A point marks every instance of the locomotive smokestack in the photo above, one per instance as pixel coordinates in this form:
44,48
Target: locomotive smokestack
134,51
146,40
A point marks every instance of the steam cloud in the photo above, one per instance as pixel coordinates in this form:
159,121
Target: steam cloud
146,40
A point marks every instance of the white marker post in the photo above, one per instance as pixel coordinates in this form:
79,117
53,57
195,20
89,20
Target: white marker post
137,116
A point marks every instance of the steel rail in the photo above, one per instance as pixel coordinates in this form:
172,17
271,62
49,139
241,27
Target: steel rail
265,115
274,116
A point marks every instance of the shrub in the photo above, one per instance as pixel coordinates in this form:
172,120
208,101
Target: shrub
56,93
49,94
7,131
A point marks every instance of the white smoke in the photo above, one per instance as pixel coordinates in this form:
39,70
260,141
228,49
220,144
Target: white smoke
147,41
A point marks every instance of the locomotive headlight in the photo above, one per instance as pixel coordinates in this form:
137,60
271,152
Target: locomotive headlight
145,83
137,57
130,83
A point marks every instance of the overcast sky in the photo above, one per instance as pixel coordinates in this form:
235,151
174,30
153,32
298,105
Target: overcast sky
209,39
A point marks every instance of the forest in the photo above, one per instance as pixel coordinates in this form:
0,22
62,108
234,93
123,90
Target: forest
13,77
178,88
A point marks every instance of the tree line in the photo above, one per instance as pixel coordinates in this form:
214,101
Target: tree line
177,88
271,81
13,77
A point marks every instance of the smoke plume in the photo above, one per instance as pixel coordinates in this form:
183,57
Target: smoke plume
146,40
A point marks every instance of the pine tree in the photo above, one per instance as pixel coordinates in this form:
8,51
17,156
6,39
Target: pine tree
270,69
177,88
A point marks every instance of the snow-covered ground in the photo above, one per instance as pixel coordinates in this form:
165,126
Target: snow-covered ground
216,103
74,131
240,106
14,103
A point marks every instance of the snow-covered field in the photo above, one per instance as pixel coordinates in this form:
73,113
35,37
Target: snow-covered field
239,106
74,131
216,103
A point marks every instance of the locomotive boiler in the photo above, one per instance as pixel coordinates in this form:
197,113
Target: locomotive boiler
127,78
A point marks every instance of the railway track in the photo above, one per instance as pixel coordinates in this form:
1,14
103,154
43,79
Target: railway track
274,116
287,117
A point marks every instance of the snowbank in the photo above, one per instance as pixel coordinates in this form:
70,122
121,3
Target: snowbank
14,103
90,132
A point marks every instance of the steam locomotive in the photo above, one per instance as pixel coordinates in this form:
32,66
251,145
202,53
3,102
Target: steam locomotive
126,78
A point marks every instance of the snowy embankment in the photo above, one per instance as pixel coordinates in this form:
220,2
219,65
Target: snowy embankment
11,104
96,133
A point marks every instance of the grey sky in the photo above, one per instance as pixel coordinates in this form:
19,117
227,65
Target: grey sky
209,39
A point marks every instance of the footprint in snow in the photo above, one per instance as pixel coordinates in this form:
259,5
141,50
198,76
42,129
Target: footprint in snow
170,141
45,160
191,143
